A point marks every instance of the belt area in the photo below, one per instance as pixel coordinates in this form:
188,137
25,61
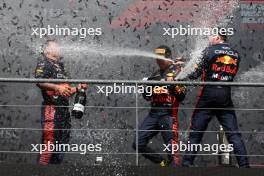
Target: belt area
157,105
158,108
164,110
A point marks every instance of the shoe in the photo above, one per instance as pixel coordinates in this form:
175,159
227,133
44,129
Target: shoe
164,163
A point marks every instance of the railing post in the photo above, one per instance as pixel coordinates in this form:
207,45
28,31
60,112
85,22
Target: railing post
137,124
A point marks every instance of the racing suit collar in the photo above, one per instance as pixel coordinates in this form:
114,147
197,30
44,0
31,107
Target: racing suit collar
224,43
52,61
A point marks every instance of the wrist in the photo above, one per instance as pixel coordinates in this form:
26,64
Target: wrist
56,88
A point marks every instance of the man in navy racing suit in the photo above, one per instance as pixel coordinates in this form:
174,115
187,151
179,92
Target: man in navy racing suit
55,115
163,114
220,63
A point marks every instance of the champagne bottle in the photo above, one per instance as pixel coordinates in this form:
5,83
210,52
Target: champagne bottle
79,104
224,156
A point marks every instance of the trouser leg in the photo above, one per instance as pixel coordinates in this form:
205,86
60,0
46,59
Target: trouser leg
62,133
228,120
170,138
199,124
144,135
48,115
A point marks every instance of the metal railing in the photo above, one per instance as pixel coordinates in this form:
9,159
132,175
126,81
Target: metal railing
128,82
136,82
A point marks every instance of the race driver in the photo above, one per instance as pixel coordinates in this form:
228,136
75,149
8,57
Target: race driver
55,115
163,114
220,63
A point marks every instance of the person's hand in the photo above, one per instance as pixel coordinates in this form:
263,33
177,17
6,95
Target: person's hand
179,61
82,86
180,89
64,90
79,86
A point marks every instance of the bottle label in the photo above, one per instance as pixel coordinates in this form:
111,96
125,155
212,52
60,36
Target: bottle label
78,107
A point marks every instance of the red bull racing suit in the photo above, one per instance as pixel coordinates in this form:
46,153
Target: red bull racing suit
55,115
220,63
162,117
